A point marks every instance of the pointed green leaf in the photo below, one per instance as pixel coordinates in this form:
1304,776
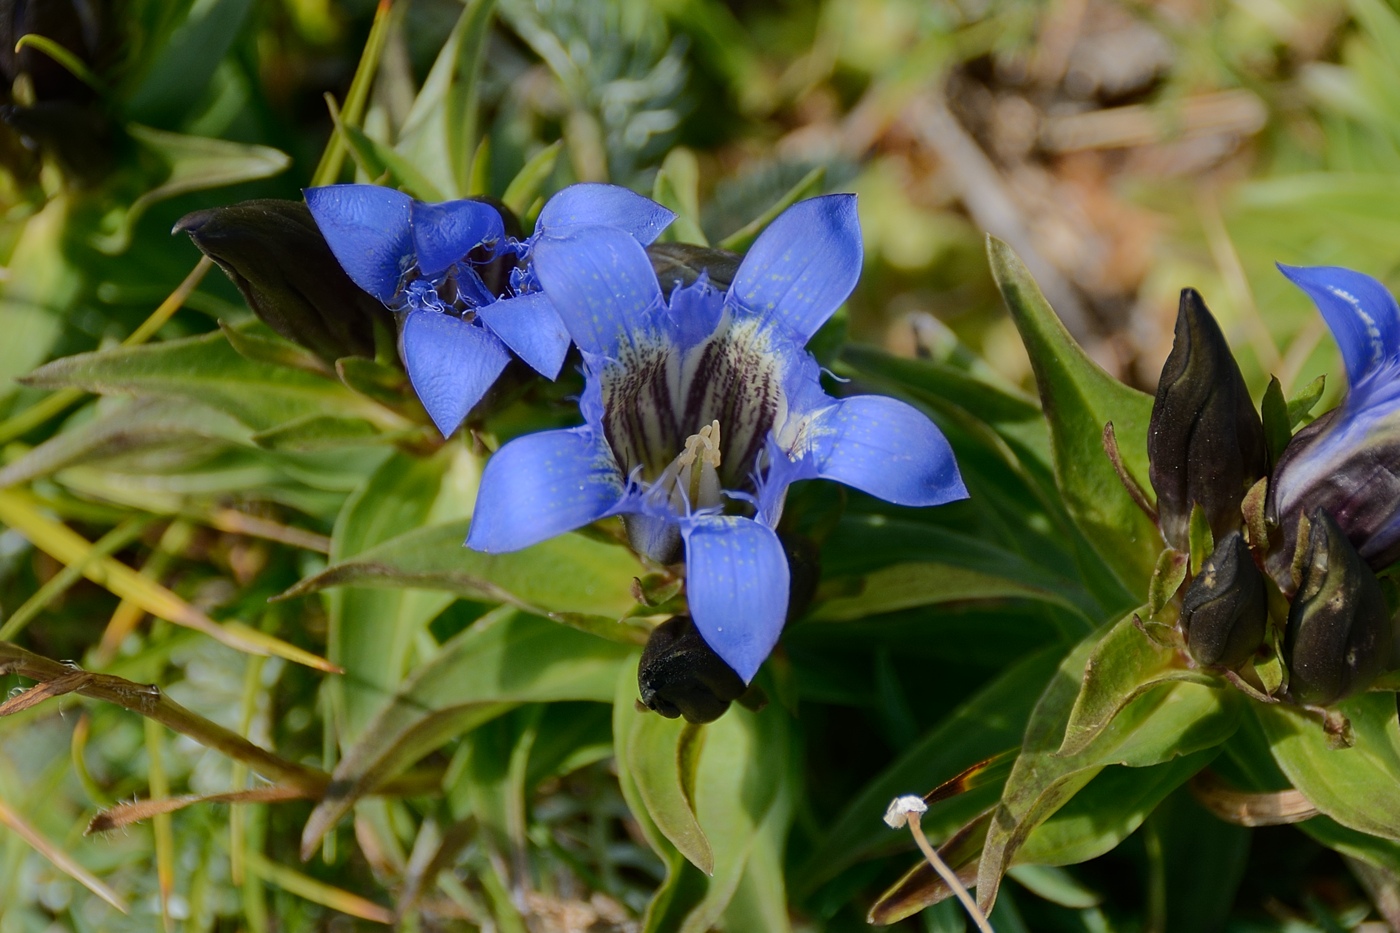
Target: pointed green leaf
569,574
207,370
662,755
1278,428
1079,398
529,181
1302,404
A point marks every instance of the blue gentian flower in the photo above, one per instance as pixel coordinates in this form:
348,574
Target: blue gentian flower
424,261
1347,462
700,408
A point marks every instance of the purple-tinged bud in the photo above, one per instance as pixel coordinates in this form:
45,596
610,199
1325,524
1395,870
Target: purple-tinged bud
1340,635
1347,462
1205,441
1226,608
274,252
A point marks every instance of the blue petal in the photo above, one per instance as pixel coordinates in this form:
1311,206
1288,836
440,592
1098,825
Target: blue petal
606,206
444,233
1359,310
529,326
602,285
542,485
368,230
804,265
884,447
737,587
451,364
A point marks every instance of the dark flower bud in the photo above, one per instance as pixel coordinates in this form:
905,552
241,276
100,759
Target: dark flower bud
1340,635
83,27
1205,440
683,263
1226,608
680,675
276,255
84,141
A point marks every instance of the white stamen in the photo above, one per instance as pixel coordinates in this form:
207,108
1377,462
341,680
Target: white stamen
693,477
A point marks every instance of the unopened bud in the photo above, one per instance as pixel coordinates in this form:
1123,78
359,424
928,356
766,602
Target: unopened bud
680,675
1225,610
1339,636
1205,440
276,256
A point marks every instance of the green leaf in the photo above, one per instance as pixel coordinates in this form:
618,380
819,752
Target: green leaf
1167,578
741,239
1303,402
1278,426
662,756
503,659
1123,666
1079,398
1201,538
373,630
741,780
903,586
1355,786
319,432
439,135
1056,886
574,577
378,161
990,721
677,186
178,70
256,342
529,181
207,370
1159,725
1109,809
195,163
124,427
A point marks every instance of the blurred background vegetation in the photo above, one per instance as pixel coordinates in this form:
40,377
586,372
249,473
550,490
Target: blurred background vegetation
1124,148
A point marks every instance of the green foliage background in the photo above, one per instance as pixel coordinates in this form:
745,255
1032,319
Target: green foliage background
489,768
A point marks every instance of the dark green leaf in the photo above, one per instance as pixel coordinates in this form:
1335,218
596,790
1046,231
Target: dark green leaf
1079,398
1278,426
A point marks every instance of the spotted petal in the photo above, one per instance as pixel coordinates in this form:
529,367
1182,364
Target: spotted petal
594,204
451,364
541,485
884,447
1361,313
530,327
444,233
737,587
367,228
601,283
804,265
